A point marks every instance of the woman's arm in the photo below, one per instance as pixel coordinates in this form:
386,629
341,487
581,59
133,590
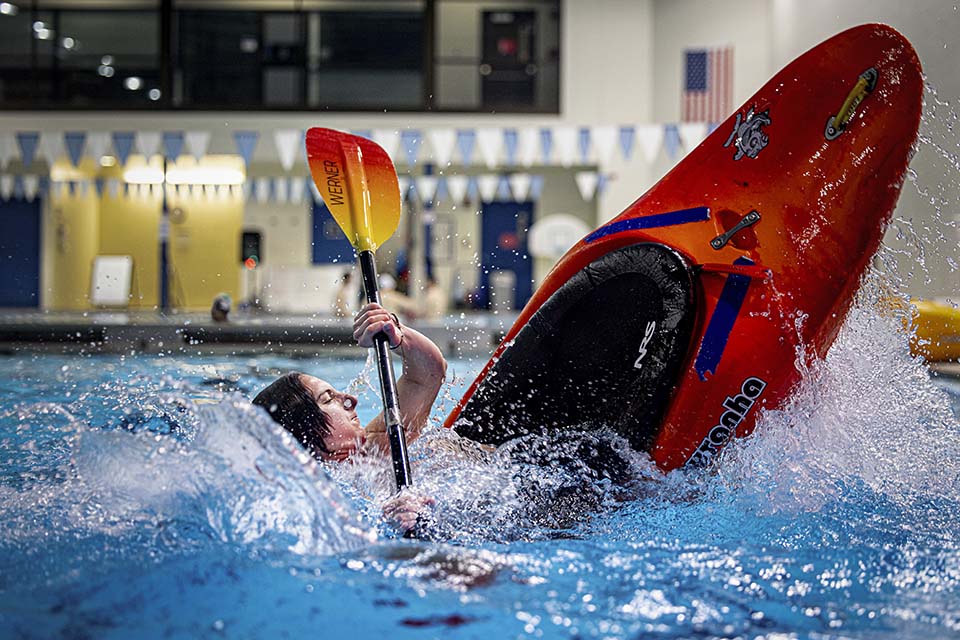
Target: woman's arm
423,371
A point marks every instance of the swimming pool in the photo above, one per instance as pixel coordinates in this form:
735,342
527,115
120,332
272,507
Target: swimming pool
144,497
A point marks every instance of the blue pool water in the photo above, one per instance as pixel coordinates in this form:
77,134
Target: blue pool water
145,497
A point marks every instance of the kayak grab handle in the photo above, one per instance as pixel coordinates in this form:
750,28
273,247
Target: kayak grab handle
836,125
721,240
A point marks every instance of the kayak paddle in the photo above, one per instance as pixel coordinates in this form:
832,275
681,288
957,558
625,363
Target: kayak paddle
359,185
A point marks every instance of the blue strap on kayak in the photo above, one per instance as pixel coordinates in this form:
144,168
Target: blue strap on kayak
721,322
683,216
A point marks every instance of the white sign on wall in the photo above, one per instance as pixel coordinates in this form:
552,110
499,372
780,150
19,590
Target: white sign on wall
111,281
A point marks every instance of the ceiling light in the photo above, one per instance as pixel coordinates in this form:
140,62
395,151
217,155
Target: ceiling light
105,71
108,161
106,60
68,43
132,83
154,94
8,9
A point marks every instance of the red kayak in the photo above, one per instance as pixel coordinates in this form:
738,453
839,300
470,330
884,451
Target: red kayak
678,321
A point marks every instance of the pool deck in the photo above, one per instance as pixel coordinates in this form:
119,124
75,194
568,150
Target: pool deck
468,334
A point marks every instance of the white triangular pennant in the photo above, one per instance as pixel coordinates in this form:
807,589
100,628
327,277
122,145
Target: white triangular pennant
442,143
281,190
404,184
565,142
31,186
51,146
263,190
528,145
520,186
426,188
587,183
457,187
197,143
490,142
98,144
288,143
6,186
8,148
389,139
692,134
148,143
296,190
604,142
488,184
650,137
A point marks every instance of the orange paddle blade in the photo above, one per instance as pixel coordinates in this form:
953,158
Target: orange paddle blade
358,183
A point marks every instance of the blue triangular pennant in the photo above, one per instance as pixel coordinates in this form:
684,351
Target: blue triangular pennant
510,141
27,141
246,142
18,191
98,183
123,145
473,188
584,144
172,144
671,140
602,181
503,189
546,144
411,140
628,135
75,141
536,187
466,142
363,133
711,127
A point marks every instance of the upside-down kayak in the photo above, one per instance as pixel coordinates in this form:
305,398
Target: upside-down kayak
676,322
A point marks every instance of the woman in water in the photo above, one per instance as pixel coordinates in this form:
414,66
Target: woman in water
324,420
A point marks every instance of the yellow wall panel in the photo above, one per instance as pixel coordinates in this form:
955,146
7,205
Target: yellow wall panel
70,240
204,250
129,225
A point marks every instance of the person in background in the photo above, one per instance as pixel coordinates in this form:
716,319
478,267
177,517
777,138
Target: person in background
404,305
220,308
324,419
341,303
434,300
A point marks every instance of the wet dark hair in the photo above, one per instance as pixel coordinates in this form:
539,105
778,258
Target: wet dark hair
290,404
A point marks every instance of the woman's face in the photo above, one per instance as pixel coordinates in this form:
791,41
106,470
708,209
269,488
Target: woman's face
346,433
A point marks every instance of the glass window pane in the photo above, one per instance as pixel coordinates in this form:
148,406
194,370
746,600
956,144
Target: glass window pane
108,58
220,58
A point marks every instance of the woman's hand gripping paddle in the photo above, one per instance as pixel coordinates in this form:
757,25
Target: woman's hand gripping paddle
359,185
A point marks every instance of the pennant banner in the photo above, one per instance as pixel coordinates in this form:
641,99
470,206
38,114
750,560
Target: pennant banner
566,139
411,140
457,186
6,187
27,141
587,184
75,142
650,137
442,144
296,190
466,141
604,142
528,145
197,143
8,148
511,140
246,142
389,139
671,140
148,142
289,142
490,140
692,134
520,185
628,134
31,186
488,185
98,144
123,145
172,145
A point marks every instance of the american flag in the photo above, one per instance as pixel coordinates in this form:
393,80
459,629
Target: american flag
707,84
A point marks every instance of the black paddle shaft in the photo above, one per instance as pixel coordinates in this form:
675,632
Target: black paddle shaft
388,385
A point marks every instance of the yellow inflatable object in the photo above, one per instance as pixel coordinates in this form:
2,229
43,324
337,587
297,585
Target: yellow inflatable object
938,331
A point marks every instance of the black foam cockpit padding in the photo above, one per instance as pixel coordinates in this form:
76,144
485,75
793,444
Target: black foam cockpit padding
605,349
